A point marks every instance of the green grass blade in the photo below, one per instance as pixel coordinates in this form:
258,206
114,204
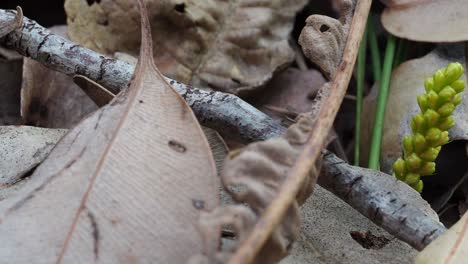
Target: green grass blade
377,132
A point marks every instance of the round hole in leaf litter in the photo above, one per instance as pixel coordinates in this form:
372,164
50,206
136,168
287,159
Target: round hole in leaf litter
177,146
368,240
198,204
324,28
180,8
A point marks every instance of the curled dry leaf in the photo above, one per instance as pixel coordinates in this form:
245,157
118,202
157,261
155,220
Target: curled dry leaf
323,38
10,25
407,82
125,185
50,98
100,95
449,248
253,176
429,21
10,86
218,147
233,46
291,91
23,148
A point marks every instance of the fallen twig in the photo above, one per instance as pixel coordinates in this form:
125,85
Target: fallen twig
226,113
384,207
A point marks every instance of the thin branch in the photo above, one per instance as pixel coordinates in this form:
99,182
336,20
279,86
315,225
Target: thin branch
383,206
223,112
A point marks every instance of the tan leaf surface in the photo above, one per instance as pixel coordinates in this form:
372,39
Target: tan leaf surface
233,46
23,147
407,82
124,186
427,20
449,248
326,234
50,98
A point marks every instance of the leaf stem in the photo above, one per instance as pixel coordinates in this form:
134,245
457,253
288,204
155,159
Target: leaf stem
377,132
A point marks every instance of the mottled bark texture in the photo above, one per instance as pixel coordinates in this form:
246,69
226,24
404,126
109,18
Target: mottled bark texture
234,118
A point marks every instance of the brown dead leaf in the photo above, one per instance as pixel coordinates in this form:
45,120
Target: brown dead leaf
252,176
8,26
427,20
100,95
50,98
328,223
323,38
292,90
232,46
450,248
23,148
126,185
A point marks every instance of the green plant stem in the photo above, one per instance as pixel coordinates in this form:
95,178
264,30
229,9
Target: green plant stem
377,132
374,50
361,73
401,52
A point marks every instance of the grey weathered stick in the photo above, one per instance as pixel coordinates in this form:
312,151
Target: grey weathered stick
218,110
232,116
384,207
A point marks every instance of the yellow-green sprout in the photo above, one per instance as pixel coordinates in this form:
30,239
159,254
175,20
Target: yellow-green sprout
430,126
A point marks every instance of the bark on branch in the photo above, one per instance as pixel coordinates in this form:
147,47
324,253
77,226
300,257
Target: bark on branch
234,118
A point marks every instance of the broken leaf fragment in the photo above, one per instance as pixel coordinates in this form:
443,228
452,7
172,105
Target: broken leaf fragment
23,148
450,248
429,21
15,22
328,223
231,46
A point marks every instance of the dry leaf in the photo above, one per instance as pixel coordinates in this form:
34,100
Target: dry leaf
100,95
328,223
429,21
23,148
449,248
10,85
291,90
218,147
8,26
50,98
233,46
323,38
253,176
126,185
